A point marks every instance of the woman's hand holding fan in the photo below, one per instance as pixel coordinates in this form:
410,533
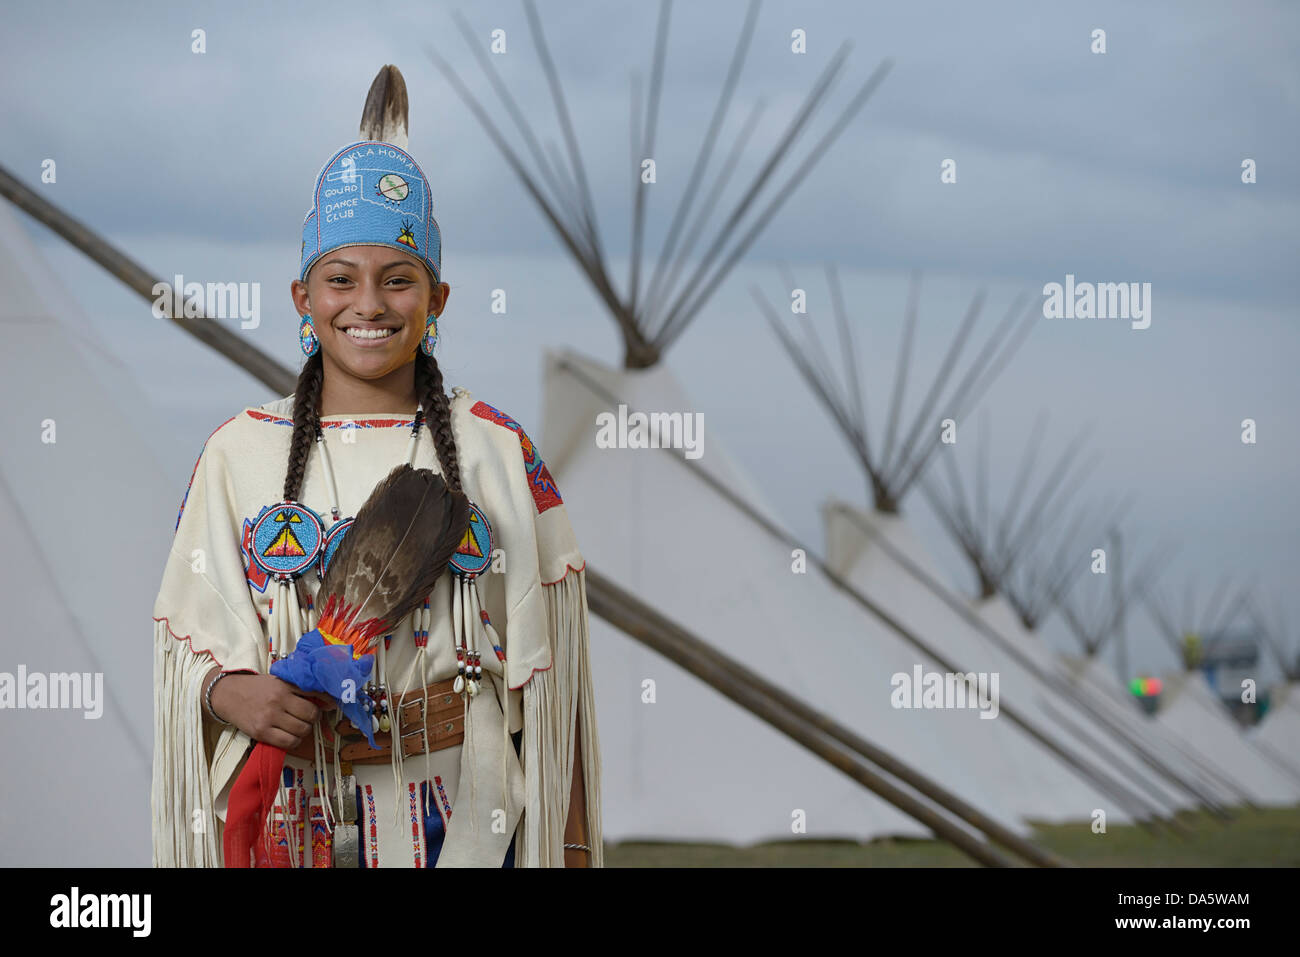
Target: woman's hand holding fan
388,562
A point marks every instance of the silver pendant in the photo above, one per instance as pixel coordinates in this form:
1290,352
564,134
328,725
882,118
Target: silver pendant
347,845
347,835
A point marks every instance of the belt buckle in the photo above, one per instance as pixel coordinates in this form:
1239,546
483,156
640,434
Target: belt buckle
421,718
418,725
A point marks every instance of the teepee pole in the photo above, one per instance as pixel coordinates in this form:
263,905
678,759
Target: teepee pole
1103,779
231,345
1117,596
384,118
621,610
812,729
1000,641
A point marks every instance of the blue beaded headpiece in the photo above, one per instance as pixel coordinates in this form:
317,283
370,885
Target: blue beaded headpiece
372,194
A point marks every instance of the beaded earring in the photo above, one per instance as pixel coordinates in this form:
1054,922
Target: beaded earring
307,337
430,340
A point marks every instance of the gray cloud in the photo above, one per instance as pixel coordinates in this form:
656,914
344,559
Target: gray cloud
1122,167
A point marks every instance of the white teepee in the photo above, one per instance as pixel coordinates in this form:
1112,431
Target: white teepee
87,523
1196,771
1190,708
1201,743
1019,579
692,537
1085,770
1061,768
1278,731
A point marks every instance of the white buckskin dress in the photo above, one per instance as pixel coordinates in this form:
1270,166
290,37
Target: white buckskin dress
500,797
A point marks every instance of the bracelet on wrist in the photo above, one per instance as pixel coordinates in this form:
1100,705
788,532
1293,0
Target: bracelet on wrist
207,699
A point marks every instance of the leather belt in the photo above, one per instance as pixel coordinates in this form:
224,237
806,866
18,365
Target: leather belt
443,722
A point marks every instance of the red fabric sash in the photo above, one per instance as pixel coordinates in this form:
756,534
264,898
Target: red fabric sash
245,842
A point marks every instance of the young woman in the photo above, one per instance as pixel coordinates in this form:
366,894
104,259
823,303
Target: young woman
498,768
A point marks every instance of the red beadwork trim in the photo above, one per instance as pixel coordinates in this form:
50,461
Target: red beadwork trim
347,423
373,822
529,678
540,483
442,793
416,822
322,841
569,568
300,814
186,639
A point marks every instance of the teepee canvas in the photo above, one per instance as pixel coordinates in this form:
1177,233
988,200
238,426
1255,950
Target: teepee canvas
1061,769
86,520
1191,709
1067,768
696,540
1276,735
1018,578
1279,730
1041,581
1195,732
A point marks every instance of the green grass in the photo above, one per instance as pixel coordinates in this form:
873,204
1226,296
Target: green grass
1264,838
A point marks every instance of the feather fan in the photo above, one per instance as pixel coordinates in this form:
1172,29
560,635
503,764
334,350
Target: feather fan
389,560
391,557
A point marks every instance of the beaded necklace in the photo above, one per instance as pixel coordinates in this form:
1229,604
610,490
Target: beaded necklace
289,540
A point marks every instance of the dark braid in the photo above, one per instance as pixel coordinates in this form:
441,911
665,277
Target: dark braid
428,386
306,422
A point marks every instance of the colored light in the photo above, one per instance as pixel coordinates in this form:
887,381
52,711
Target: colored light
1145,687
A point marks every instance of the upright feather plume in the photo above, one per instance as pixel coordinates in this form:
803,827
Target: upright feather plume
391,557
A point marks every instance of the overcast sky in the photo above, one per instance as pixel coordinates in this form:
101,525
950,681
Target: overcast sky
1122,167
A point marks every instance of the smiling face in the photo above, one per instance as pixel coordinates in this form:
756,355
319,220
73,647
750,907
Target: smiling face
369,305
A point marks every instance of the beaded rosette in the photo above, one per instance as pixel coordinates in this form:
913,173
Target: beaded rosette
288,540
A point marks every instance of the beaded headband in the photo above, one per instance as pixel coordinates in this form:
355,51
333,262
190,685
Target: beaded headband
372,194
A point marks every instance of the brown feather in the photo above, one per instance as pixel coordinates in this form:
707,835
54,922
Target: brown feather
398,547
387,109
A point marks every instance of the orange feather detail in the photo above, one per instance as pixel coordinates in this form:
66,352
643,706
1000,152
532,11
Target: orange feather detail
338,626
